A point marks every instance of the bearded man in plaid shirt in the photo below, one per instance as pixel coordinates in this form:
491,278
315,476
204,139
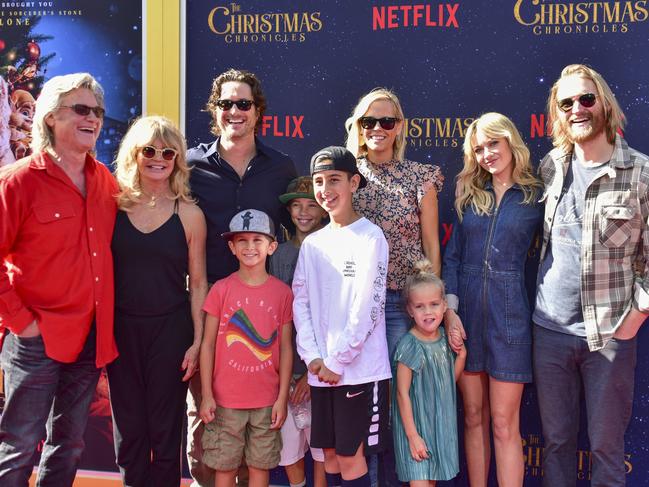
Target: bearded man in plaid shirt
593,284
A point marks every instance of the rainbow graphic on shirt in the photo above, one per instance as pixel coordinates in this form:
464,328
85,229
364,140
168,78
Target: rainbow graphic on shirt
241,330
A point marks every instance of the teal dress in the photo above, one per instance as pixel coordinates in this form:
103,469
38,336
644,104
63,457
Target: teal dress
432,393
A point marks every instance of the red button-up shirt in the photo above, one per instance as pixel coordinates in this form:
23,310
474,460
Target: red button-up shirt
57,266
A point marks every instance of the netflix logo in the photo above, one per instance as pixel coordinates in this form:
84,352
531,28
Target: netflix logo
419,15
282,126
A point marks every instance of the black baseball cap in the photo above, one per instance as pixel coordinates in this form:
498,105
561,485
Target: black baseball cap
335,158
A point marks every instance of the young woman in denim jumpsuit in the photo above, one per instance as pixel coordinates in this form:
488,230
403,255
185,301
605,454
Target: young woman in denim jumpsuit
484,270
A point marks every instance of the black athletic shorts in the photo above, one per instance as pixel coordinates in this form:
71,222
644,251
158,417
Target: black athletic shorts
343,417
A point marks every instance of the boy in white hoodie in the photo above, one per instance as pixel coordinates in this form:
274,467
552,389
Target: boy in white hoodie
338,308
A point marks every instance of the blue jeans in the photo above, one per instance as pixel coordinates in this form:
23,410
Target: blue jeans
562,363
44,397
397,321
381,467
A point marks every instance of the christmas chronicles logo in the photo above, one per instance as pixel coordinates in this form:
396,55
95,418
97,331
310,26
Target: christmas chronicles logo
552,17
238,27
419,15
533,457
436,132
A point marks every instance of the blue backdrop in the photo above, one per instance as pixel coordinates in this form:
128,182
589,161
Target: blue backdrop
448,63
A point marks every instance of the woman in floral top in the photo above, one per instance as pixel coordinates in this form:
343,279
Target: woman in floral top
400,197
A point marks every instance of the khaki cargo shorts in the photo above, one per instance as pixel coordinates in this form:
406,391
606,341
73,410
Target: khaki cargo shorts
241,433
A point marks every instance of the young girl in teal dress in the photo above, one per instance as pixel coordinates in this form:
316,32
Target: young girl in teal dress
425,428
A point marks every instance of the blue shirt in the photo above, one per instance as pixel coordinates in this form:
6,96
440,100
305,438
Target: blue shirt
558,299
221,193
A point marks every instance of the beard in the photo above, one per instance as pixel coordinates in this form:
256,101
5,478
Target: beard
588,131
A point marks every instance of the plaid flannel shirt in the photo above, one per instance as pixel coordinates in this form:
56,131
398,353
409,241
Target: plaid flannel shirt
615,237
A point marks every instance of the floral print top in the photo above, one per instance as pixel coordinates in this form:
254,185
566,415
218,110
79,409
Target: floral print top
392,200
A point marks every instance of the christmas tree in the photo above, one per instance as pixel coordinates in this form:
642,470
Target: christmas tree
21,63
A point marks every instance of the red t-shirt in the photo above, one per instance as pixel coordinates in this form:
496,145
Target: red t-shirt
246,360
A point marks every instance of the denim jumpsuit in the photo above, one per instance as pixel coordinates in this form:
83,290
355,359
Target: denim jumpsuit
484,266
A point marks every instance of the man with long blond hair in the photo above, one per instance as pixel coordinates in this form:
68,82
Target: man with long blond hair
593,284
56,283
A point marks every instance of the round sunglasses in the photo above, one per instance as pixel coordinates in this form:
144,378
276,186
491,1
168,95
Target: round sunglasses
243,105
386,123
587,100
168,154
84,110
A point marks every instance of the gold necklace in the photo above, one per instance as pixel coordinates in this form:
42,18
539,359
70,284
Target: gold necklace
153,199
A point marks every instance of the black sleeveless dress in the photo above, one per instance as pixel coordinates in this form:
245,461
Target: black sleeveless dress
153,330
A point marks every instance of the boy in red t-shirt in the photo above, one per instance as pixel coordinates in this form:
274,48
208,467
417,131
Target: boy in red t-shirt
246,357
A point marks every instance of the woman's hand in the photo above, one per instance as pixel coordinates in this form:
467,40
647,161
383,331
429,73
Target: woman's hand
455,330
190,362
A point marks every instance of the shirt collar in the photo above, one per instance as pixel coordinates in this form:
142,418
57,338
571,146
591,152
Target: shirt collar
212,150
44,161
621,157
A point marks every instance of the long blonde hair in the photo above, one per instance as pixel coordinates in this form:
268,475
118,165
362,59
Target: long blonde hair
473,178
143,132
613,114
355,143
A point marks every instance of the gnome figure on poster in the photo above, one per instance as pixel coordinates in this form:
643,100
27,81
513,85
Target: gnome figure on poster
20,122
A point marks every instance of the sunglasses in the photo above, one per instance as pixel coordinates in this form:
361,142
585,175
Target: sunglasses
168,154
84,110
586,100
243,105
386,123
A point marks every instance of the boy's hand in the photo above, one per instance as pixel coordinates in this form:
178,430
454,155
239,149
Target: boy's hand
418,448
278,414
315,366
326,375
301,391
207,411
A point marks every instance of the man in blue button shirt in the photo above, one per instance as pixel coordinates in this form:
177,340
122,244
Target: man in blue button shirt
234,172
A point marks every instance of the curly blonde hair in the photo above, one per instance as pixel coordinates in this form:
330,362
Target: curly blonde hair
143,132
472,179
355,143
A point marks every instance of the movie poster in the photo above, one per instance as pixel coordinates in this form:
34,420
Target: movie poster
448,61
42,39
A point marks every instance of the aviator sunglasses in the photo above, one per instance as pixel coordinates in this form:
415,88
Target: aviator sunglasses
586,100
243,105
168,154
386,123
84,110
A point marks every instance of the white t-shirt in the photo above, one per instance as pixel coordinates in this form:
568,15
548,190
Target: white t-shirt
339,301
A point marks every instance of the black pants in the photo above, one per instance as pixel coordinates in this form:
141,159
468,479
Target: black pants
148,396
